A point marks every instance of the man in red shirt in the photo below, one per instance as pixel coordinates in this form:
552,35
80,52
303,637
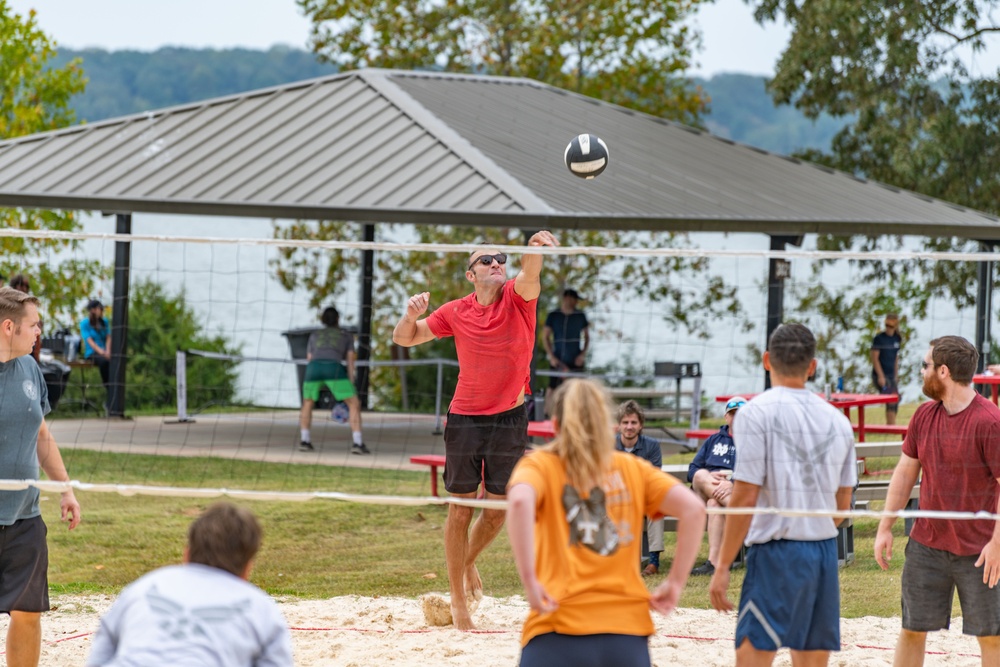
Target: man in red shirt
953,440
486,434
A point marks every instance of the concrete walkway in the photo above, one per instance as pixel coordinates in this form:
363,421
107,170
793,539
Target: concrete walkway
258,436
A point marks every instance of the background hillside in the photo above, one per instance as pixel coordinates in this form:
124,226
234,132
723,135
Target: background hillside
125,82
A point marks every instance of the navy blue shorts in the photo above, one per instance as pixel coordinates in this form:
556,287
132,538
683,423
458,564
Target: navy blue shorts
791,597
24,565
553,650
483,447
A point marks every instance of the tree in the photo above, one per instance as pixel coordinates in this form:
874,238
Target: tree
919,119
159,325
628,52
35,98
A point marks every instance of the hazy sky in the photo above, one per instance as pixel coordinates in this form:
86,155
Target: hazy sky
732,41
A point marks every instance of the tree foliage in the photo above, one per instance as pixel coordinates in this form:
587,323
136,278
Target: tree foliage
628,52
159,325
918,119
35,97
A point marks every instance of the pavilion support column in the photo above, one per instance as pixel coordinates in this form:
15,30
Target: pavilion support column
365,332
984,308
119,318
777,271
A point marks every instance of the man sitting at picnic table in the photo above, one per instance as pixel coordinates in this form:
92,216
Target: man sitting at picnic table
630,439
709,474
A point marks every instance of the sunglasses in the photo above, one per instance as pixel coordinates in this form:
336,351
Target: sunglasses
487,260
925,365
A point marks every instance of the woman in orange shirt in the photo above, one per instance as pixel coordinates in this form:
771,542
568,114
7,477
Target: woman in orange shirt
574,518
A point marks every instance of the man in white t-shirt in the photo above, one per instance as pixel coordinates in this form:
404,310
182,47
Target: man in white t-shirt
203,612
796,453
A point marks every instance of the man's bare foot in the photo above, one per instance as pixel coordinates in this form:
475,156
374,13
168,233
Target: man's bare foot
460,617
473,583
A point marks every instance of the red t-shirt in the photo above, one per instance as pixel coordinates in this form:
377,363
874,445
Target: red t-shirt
959,457
494,345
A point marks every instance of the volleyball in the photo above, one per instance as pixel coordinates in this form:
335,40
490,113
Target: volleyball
587,156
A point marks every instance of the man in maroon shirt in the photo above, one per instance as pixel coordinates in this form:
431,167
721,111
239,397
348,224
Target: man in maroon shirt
953,440
486,433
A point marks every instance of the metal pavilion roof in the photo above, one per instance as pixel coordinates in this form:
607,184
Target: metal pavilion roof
393,146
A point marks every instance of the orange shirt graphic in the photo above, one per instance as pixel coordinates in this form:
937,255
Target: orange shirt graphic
596,594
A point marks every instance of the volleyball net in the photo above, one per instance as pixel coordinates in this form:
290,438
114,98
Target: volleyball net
217,330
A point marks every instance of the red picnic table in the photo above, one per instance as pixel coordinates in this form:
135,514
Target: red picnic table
843,401
991,380
541,429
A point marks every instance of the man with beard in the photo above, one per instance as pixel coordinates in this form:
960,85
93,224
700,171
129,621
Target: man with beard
953,440
631,418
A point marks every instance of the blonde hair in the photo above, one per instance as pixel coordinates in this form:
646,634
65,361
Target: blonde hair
13,304
585,441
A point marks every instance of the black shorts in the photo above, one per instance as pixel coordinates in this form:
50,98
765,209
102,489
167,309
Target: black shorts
24,565
552,649
483,447
890,388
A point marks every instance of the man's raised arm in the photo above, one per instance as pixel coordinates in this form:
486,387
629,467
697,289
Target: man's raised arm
527,285
409,330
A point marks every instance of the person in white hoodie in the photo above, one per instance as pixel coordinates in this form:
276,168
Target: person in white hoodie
204,612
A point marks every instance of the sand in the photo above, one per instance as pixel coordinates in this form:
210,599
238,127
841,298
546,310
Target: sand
358,632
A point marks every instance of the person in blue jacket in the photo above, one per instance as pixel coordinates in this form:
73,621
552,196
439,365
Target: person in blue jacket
709,474
630,439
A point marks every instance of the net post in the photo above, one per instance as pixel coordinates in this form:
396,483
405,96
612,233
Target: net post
437,399
181,372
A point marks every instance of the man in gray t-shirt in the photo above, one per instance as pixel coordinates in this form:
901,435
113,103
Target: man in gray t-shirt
25,445
796,453
204,612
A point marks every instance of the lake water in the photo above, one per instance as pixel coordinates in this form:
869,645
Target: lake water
234,293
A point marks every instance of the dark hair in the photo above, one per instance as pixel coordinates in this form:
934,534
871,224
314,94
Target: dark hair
630,407
792,348
226,537
20,280
330,317
958,354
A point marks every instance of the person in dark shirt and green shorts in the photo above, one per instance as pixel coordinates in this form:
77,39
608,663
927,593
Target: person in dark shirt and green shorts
331,364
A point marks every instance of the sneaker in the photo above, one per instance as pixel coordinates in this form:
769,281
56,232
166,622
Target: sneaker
360,449
305,446
705,569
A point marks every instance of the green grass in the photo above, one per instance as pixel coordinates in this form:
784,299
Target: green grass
322,548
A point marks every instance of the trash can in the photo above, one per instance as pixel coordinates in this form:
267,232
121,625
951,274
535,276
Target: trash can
298,342
56,374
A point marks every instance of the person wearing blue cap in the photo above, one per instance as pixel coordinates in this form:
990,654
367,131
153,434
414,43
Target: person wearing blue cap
709,474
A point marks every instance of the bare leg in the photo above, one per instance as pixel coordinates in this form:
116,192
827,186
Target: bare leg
24,639
890,417
989,648
456,550
748,656
910,649
810,658
306,413
484,531
354,405
716,525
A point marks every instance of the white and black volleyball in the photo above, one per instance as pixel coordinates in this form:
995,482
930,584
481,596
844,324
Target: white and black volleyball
587,156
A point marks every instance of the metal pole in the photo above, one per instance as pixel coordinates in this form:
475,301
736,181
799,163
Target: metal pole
984,302
777,271
437,400
119,317
182,398
365,336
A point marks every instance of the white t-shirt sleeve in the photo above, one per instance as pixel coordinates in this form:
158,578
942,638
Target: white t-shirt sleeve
277,649
751,446
849,473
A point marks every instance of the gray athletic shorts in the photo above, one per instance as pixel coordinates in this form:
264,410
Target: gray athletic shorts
930,577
